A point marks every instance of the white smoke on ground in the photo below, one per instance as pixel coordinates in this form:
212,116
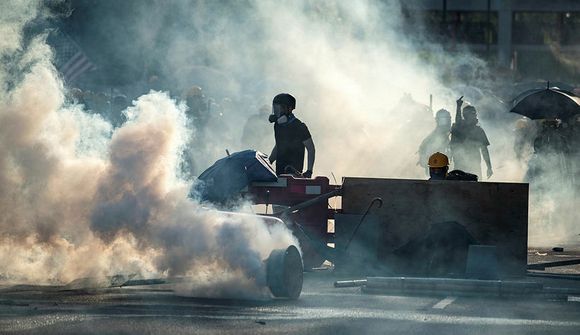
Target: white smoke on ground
78,201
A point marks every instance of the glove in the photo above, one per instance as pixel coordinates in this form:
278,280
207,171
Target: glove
307,174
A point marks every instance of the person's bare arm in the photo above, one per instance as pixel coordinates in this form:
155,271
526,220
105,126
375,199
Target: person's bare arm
273,155
309,144
458,116
485,154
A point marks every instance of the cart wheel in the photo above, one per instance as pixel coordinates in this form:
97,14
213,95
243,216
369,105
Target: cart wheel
284,271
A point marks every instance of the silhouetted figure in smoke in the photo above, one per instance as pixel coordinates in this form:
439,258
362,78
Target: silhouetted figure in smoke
118,105
411,120
76,96
524,132
550,176
256,131
549,163
411,115
573,138
292,137
219,122
438,139
469,142
100,104
439,169
197,107
88,98
551,139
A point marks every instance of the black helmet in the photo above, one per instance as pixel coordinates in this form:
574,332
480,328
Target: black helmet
285,99
469,109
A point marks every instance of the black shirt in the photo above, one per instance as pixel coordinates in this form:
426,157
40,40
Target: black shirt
466,144
289,144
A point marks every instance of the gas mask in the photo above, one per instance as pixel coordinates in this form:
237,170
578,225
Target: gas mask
273,118
282,119
470,116
278,115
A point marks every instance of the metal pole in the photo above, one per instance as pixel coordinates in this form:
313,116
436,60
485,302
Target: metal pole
504,35
308,203
444,17
488,30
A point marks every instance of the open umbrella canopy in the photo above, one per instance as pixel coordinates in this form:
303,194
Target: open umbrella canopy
228,176
547,103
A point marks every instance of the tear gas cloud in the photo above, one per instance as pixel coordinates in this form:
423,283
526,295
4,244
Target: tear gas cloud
83,198
80,200
362,79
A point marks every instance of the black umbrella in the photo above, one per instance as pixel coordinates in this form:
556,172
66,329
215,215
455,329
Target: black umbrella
228,176
547,103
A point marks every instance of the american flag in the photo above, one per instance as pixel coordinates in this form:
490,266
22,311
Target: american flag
70,59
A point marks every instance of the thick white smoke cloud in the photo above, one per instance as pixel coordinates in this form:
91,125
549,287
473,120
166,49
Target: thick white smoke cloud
78,201
362,80
81,200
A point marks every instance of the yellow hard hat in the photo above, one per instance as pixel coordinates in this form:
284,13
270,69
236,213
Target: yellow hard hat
438,160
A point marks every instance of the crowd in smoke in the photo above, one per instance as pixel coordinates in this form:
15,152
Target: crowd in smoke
104,176
211,132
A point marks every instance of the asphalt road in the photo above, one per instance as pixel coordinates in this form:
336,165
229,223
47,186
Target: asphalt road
322,309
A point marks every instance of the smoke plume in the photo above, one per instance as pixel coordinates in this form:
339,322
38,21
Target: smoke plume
80,197
362,76
82,200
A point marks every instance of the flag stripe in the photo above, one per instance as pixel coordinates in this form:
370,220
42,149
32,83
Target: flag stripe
76,66
70,59
82,70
